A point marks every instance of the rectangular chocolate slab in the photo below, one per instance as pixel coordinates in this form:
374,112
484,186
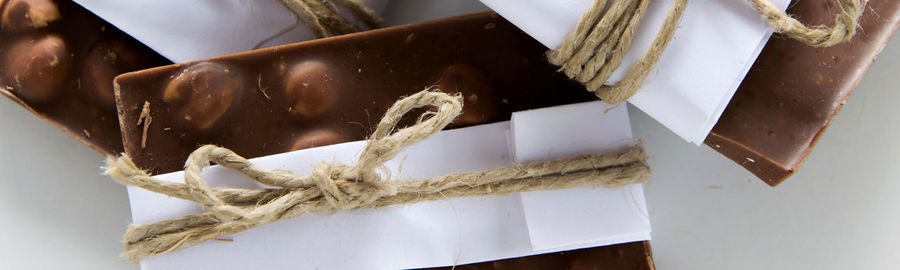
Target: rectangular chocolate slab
793,91
334,90
262,102
58,61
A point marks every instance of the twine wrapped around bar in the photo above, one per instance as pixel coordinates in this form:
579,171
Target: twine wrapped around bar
335,187
323,19
595,49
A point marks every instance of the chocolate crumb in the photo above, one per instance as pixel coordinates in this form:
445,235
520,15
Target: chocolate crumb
261,88
145,114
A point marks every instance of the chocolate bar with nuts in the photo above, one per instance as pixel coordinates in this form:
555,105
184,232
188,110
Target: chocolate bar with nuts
58,60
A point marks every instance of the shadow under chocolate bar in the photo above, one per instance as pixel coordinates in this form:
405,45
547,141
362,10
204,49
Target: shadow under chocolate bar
58,61
335,90
793,91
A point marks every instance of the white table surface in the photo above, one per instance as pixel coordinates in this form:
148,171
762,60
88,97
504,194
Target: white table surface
838,212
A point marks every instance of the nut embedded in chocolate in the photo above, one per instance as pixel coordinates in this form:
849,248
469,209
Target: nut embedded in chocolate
20,15
310,89
480,103
107,59
316,138
35,67
202,94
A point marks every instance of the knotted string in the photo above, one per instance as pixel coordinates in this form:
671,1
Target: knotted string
323,20
595,49
335,187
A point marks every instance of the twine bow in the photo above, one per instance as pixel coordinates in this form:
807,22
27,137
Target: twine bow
335,187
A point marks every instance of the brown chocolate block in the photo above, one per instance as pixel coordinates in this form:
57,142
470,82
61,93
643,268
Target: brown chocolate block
334,90
793,91
58,61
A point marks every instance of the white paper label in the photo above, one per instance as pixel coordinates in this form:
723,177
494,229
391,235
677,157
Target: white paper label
555,218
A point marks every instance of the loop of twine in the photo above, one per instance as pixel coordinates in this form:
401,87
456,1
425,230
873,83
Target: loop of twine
334,187
595,49
323,19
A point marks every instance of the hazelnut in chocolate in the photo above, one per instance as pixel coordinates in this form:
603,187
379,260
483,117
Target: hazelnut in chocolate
310,89
36,67
480,98
105,60
24,15
202,94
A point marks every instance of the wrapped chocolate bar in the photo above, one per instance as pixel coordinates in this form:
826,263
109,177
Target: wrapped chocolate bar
313,94
449,227
58,61
780,139
684,92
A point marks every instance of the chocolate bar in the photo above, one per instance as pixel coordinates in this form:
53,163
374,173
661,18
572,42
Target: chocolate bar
793,91
59,60
336,89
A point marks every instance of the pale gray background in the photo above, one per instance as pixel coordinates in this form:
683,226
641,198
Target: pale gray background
838,212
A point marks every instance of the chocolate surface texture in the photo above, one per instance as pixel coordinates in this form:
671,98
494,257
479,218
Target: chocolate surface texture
336,89
793,91
59,60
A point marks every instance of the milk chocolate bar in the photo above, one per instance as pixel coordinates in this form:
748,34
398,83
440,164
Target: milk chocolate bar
336,89
794,91
58,60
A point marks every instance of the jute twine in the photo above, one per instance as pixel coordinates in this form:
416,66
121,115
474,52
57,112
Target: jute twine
323,20
335,187
595,49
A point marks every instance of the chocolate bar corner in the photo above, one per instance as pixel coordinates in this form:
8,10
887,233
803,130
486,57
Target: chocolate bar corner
794,91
